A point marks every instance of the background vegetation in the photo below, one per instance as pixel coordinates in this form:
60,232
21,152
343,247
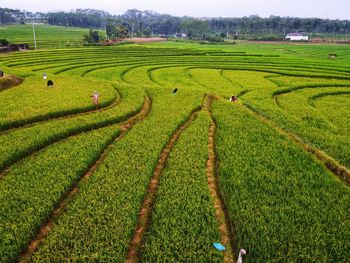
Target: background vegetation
148,23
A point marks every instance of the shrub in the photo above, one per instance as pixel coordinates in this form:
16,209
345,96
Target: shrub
4,42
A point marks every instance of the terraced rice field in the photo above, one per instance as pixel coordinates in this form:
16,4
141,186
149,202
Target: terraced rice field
148,176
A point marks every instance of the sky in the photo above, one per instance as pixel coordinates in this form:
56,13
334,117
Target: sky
333,9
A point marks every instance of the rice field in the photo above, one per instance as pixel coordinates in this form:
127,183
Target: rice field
47,36
154,175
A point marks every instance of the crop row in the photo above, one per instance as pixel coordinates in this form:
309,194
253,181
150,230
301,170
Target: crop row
261,90
21,142
335,106
99,224
32,188
183,224
214,62
179,54
291,110
40,103
95,53
283,205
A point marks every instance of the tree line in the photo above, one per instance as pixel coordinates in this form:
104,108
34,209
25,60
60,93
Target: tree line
148,23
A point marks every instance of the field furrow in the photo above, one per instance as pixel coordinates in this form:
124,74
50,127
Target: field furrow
23,142
68,196
148,202
109,202
283,204
160,171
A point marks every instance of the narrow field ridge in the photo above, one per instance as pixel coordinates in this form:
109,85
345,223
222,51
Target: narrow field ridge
149,199
225,229
67,197
342,172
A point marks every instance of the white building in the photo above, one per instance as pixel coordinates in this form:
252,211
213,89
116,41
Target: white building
297,37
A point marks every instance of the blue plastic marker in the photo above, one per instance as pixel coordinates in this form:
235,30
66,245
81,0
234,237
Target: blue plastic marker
218,246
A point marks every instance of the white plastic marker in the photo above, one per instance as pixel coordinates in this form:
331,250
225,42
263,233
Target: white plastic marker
95,96
242,252
44,76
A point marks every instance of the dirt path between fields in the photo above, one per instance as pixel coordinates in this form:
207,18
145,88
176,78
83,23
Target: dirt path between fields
148,202
225,228
47,227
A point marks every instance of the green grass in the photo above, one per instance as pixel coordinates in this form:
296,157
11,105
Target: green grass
282,204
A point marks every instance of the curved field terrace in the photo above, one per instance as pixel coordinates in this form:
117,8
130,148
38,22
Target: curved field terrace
150,174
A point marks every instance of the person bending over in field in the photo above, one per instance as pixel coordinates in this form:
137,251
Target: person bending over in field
50,83
233,98
174,91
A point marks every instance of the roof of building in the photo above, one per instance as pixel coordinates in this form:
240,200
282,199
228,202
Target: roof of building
295,35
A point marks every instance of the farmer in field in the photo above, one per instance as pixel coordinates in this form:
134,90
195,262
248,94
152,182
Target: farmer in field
174,91
233,98
95,96
50,83
1,73
44,76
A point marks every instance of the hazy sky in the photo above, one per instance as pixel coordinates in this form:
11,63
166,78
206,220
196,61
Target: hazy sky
199,8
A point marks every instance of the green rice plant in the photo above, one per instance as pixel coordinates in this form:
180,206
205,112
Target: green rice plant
21,142
289,81
284,206
335,106
213,81
32,188
100,222
38,102
183,225
292,111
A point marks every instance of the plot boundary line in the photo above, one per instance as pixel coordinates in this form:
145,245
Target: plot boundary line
222,218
